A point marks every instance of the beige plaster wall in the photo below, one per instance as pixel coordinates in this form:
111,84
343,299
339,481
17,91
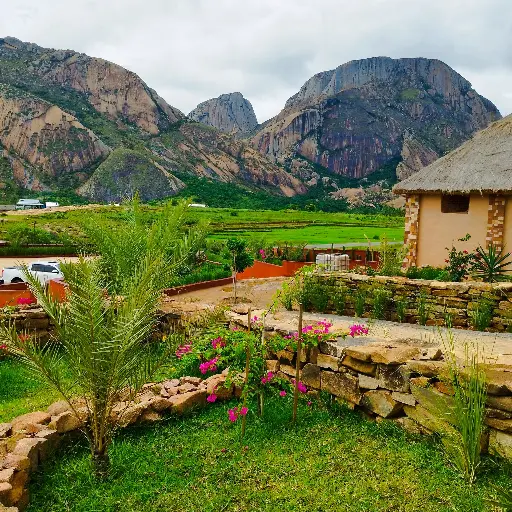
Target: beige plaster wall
507,232
439,230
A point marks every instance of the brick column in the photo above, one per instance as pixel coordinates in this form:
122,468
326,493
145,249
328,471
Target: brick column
412,218
495,221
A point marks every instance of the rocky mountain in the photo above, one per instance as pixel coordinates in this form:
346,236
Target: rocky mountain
74,122
229,113
366,114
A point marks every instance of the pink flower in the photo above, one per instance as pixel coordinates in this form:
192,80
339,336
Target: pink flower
181,351
254,319
211,398
270,375
282,393
262,254
243,411
218,343
310,403
233,415
357,330
25,300
264,380
3,347
209,366
302,388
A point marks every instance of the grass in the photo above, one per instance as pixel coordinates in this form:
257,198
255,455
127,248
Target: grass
331,460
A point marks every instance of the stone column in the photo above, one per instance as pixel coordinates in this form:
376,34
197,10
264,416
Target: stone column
412,218
495,221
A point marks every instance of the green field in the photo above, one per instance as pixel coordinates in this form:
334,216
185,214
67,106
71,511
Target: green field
272,226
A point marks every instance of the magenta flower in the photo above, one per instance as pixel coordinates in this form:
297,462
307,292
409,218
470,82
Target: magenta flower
309,403
233,415
282,393
243,411
262,254
357,330
25,300
218,343
209,366
181,351
212,398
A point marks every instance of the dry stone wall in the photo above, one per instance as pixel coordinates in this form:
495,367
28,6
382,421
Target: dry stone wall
458,300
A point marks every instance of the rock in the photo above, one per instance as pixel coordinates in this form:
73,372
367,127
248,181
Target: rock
129,415
428,420
287,369
18,488
430,354
404,398
394,378
498,424
497,402
272,365
437,403
65,422
186,388
366,382
6,475
185,402
444,387
5,490
173,383
359,366
24,421
500,444
428,368
330,348
160,404
497,414
285,356
381,403
149,416
409,425
31,448
58,408
393,355
498,382
326,361
229,113
191,380
311,376
220,388
15,461
341,385
5,429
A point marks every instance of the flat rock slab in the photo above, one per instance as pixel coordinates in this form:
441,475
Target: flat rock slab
381,403
32,418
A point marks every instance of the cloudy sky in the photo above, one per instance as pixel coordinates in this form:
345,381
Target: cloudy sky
192,50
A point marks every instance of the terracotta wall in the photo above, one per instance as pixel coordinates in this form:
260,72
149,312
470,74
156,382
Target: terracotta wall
439,230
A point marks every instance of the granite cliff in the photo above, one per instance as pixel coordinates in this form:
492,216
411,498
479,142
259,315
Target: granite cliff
74,122
359,117
229,113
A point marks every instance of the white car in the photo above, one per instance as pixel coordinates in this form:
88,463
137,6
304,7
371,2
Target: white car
44,271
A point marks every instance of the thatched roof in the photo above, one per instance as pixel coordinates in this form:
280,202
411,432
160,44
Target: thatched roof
483,164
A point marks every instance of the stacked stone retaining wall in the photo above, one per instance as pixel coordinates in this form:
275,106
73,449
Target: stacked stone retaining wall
457,300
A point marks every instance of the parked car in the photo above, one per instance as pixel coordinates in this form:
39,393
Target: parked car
44,271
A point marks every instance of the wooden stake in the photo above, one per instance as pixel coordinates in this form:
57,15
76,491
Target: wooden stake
297,366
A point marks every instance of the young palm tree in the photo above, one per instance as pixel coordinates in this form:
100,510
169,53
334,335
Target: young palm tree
103,337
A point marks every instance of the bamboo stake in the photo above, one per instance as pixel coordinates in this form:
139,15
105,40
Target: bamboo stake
247,368
260,402
297,366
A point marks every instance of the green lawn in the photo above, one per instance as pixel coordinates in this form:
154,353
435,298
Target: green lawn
333,460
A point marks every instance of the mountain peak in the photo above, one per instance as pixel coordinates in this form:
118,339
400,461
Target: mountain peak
229,113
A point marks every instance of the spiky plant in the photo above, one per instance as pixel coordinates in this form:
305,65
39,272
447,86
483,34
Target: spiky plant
490,265
103,336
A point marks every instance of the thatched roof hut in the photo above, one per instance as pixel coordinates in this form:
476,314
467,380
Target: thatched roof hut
482,165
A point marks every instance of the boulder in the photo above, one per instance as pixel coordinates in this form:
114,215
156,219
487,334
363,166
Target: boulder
428,420
500,444
15,461
341,385
129,415
18,488
311,376
392,355
503,425
58,408
32,418
173,383
404,398
219,387
160,404
438,404
330,348
359,366
5,429
184,402
409,425
326,361
191,380
6,475
504,403
272,365
428,368
499,383
5,490
186,388
65,422
381,402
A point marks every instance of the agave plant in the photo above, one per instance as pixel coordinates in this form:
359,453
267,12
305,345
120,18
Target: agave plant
103,336
491,264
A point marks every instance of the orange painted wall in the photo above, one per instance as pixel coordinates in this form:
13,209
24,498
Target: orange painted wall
439,230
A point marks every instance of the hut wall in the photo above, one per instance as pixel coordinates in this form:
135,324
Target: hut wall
438,230
507,232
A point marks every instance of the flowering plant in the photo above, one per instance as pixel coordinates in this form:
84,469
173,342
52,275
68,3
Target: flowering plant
459,262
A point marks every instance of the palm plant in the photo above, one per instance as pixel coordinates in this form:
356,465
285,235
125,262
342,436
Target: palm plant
101,336
490,265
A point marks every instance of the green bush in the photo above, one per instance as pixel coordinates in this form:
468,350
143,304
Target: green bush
339,299
429,273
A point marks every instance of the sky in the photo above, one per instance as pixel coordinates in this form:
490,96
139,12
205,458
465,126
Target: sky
193,50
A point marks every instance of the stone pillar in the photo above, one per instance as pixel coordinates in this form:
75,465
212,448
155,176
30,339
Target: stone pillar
495,221
412,218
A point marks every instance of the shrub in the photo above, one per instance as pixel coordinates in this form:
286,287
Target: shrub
319,296
459,262
468,412
423,308
391,258
339,299
380,302
401,306
481,315
491,265
359,301
429,273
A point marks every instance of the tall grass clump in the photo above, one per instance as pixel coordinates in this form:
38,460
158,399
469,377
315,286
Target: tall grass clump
468,410
339,299
401,307
380,302
423,308
481,315
359,301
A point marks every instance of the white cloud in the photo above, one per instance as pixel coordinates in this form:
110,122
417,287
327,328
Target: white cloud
192,50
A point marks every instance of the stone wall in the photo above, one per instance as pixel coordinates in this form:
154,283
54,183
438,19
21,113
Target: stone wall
441,298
